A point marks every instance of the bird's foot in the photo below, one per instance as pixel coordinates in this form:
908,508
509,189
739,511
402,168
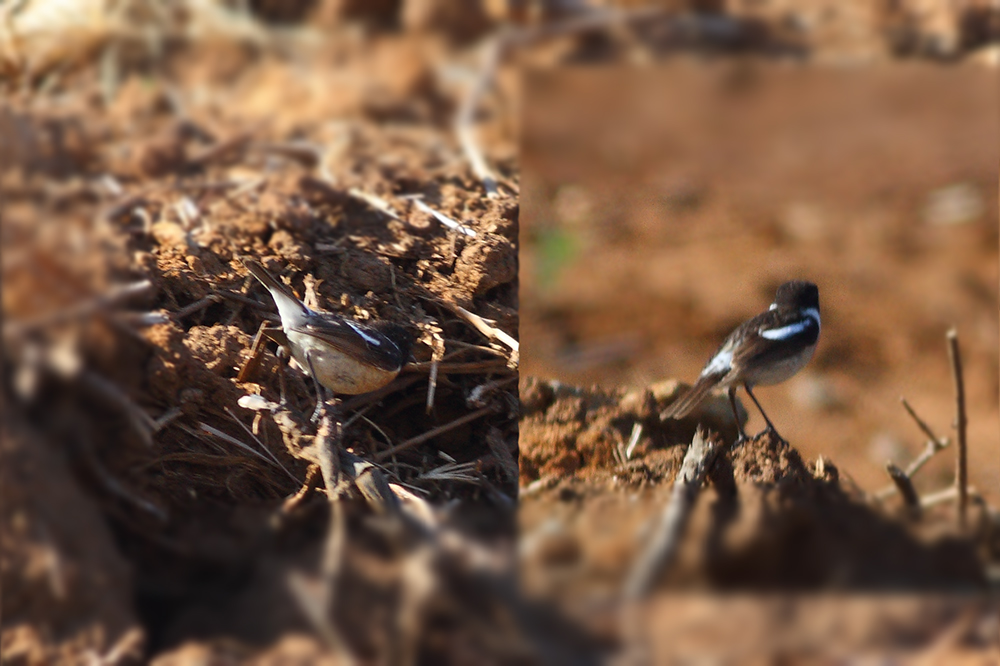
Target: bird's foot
773,434
318,412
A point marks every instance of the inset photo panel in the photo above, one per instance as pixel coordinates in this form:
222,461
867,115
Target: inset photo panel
759,328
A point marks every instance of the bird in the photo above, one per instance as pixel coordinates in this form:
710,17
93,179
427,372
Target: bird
764,350
345,356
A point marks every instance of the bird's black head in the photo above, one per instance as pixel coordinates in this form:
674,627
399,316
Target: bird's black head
797,294
401,336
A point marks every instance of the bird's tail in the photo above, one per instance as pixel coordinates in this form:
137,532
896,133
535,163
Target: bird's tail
684,405
288,304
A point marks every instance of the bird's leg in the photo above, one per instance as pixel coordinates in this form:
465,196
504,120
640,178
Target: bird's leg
770,426
736,415
282,385
320,391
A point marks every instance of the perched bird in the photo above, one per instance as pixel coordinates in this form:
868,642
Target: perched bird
343,355
764,350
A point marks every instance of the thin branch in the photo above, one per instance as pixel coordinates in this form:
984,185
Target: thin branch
434,432
470,368
961,458
489,331
200,304
905,486
105,301
465,472
328,440
226,437
941,442
633,440
934,444
661,551
376,202
142,423
945,495
443,219
465,119
266,450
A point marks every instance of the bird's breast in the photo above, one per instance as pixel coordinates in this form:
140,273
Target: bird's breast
776,372
337,371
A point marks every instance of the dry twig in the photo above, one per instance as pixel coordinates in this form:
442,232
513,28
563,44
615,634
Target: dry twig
934,444
489,331
660,553
444,219
434,432
327,440
961,461
113,297
905,486
465,119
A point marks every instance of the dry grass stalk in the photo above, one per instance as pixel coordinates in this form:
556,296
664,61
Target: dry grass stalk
961,458
662,549
434,432
902,481
934,444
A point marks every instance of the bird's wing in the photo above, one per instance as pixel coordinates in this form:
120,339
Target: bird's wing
364,343
774,335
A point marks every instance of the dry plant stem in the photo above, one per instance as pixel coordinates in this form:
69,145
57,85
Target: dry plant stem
252,302
328,440
465,119
434,432
910,497
444,219
105,301
660,553
117,488
588,21
226,437
489,331
200,304
256,349
235,143
375,201
946,495
934,444
127,649
961,462
261,444
931,435
141,422
470,368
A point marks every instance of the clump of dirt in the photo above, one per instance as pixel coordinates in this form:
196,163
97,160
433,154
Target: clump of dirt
566,430
782,524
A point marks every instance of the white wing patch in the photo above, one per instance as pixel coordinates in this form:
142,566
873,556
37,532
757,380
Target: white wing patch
813,313
369,339
721,362
786,332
